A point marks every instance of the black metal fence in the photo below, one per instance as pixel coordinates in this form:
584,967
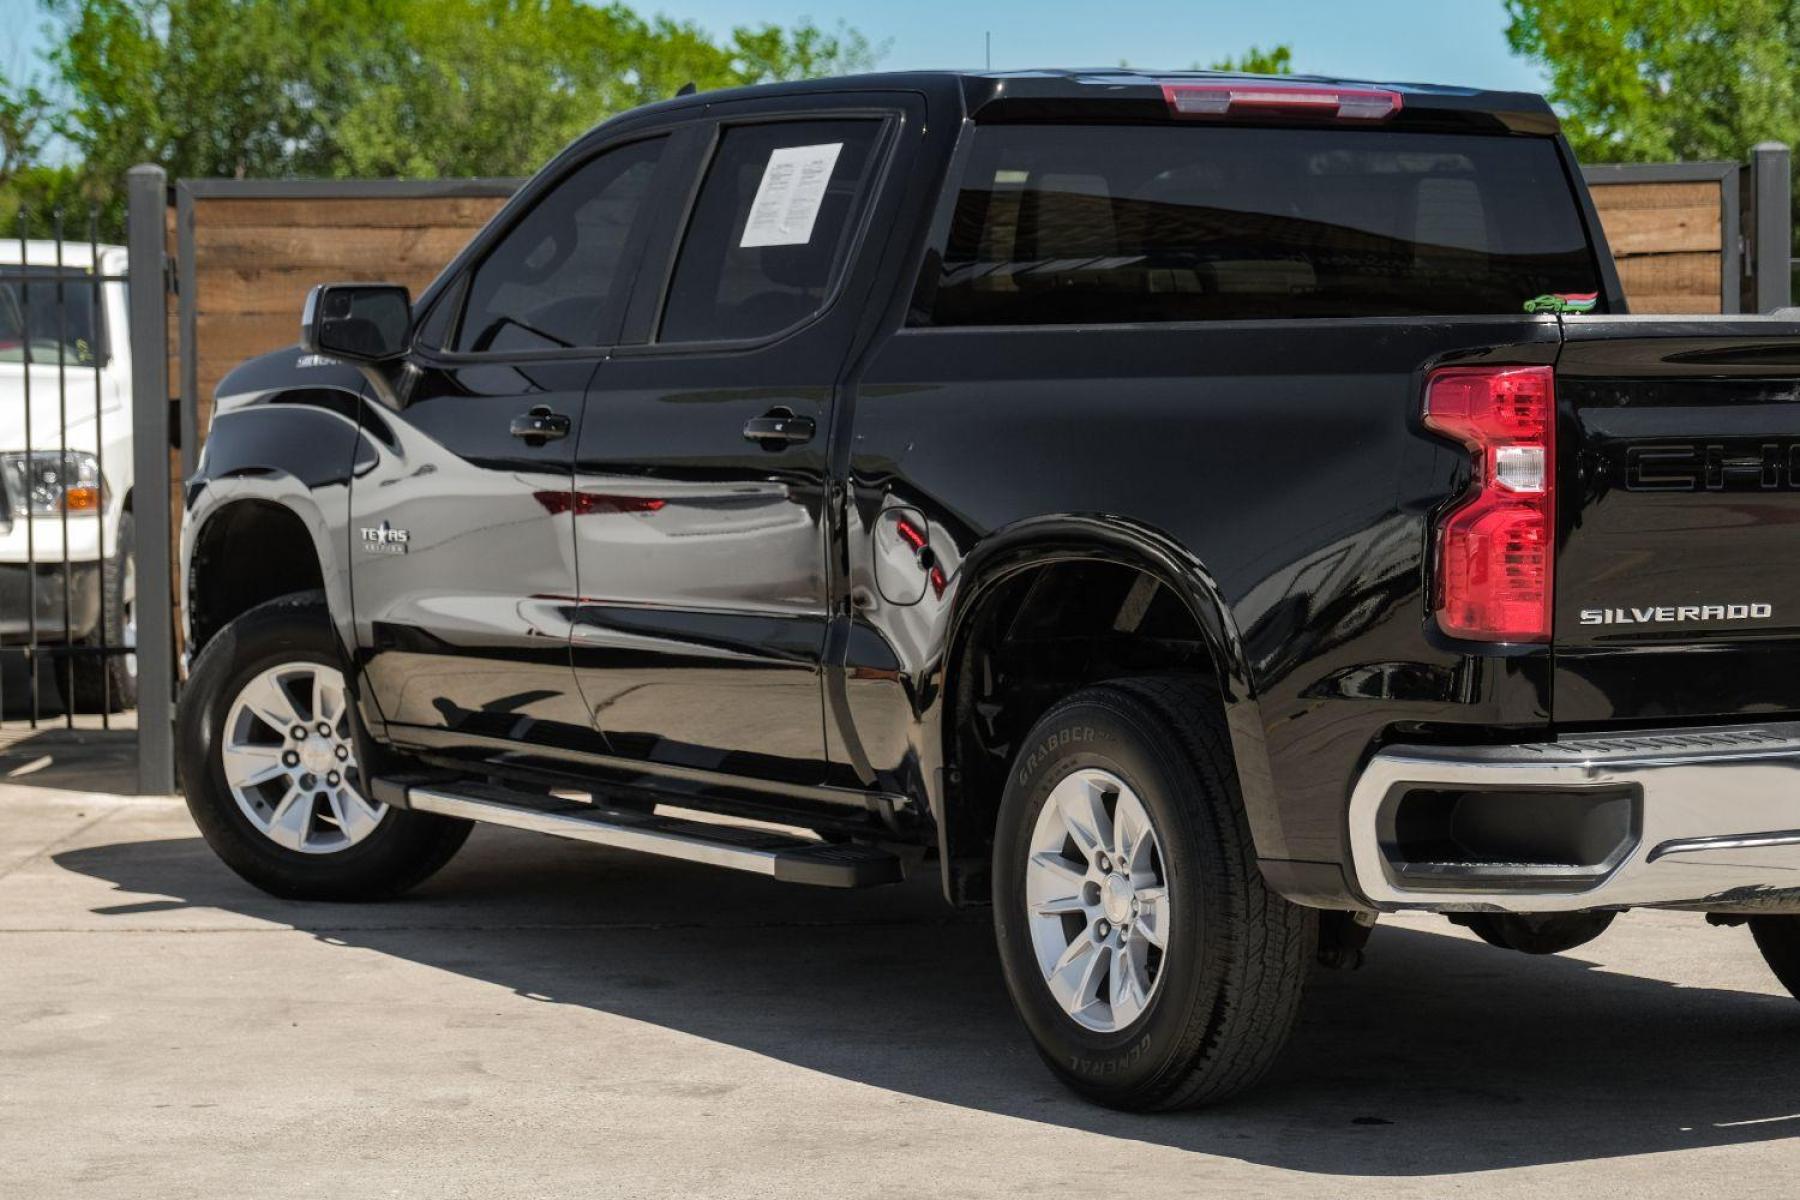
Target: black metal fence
86,628
67,625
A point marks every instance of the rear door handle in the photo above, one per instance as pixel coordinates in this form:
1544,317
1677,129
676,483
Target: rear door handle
779,427
540,425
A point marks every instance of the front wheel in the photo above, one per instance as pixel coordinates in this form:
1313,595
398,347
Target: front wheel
265,738
1151,966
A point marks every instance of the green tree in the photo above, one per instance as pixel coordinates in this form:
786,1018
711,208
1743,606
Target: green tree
23,124
1277,60
1666,79
281,88
1656,80
25,183
495,87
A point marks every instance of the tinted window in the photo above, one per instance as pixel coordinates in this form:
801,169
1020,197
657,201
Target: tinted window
1058,225
548,282
769,229
42,322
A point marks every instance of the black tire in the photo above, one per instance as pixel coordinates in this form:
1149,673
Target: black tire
1230,979
402,851
108,684
1779,940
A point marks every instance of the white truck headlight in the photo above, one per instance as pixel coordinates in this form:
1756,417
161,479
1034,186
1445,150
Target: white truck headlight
49,481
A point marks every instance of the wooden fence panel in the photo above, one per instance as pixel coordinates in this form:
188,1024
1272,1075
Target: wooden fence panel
1673,232
253,251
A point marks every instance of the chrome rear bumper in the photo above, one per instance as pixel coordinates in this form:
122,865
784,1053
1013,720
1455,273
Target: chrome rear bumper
1715,823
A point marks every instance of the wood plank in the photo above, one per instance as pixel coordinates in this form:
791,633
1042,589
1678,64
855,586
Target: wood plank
471,212
1609,196
1691,281
282,289
373,249
1662,230
1683,305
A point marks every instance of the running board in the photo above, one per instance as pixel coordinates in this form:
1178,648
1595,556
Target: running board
738,847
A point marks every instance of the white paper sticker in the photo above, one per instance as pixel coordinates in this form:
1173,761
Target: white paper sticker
788,198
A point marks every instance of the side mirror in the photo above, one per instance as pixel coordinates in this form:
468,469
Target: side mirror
361,322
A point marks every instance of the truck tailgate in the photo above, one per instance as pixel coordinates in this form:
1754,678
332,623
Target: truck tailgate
1678,571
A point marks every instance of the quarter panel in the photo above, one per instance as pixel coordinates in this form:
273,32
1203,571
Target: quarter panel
1285,458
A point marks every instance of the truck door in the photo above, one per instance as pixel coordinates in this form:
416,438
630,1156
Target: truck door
701,469
463,556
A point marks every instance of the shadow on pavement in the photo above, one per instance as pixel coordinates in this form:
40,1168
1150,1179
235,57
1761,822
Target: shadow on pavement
1441,1056
87,759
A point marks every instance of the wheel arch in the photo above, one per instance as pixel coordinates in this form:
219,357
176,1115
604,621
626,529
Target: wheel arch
282,519
1093,539
292,449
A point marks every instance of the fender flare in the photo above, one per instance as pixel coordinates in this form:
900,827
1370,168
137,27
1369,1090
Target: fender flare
208,498
1107,538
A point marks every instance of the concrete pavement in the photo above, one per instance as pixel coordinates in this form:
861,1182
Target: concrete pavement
551,1019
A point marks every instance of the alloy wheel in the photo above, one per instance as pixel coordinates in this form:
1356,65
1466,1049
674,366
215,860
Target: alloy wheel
1097,899
290,763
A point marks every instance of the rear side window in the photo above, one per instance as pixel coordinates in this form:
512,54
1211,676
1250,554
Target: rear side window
1090,224
770,229
549,281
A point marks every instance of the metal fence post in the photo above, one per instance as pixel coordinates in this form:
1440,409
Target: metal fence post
1770,172
148,192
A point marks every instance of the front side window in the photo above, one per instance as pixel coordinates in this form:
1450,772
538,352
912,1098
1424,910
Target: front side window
48,316
549,282
1092,224
769,230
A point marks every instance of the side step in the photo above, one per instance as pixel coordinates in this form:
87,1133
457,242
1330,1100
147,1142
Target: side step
741,848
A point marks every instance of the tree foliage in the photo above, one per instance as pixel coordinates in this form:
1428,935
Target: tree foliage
1277,60
418,88
1665,79
1656,80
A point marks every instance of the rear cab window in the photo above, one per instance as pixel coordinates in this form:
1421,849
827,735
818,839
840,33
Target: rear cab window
1087,224
770,228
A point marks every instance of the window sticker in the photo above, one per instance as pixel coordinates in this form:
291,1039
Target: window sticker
788,198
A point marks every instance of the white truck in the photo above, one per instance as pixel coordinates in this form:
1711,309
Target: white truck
66,577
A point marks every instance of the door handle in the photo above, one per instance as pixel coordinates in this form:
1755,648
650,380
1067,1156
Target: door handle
540,425
779,427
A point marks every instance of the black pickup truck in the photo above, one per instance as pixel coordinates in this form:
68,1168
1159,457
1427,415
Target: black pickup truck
1190,513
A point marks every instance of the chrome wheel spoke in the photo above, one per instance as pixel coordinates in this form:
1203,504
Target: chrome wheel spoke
1076,980
292,819
1153,916
352,814
1127,987
1082,805
1134,840
269,702
249,765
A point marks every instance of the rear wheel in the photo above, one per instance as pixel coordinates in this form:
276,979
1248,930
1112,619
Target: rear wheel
267,746
1150,964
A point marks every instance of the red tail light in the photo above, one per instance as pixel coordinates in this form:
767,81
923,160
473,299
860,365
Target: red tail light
1277,98
1495,548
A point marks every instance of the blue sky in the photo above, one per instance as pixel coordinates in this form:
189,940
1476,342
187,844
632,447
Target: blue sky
1443,41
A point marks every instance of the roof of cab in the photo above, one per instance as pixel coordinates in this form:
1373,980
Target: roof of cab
1131,92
